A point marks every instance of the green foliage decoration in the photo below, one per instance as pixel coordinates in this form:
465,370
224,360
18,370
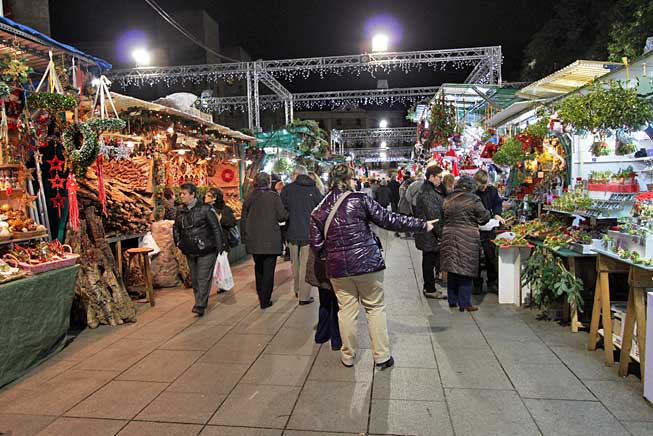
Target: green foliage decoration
52,102
549,280
603,108
442,123
106,124
510,153
82,147
15,70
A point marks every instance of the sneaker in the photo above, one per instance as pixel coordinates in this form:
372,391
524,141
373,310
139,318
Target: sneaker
440,295
385,365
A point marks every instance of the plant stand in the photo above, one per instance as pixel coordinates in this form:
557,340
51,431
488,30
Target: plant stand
510,275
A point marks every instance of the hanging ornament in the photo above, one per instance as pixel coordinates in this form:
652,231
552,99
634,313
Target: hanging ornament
58,202
56,182
454,169
55,163
73,208
102,194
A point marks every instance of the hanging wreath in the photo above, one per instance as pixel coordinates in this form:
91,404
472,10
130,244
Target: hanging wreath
106,124
52,101
227,175
82,148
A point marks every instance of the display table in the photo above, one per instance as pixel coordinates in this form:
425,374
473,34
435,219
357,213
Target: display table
34,319
570,256
639,278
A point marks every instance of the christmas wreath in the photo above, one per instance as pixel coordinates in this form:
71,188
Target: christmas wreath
82,148
52,102
106,124
227,175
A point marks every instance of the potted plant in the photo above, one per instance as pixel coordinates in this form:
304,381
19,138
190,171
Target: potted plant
510,153
602,107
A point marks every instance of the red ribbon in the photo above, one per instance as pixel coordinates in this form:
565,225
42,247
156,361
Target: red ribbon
102,194
73,208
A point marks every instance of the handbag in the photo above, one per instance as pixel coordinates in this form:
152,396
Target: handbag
233,236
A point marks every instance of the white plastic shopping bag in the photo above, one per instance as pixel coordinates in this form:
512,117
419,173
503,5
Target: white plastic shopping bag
222,273
148,241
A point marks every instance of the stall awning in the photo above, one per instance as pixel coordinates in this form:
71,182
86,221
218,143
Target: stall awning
511,112
568,79
124,102
16,38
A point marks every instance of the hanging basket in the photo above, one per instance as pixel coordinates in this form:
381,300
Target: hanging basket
52,102
106,124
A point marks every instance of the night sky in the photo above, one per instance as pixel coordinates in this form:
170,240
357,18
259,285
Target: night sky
287,29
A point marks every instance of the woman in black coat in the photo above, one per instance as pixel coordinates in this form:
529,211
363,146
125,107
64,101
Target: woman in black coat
383,195
260,231
215,198
461,242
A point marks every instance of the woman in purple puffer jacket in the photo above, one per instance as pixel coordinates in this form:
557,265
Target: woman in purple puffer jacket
354,260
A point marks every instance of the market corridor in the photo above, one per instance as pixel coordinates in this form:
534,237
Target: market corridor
240,371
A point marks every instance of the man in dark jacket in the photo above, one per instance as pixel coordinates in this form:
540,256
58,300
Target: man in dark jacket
300,198
198,235
492,201
429,207
383,195
394,192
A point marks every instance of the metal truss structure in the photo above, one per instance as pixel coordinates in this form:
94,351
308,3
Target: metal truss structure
397,135
485,61
328,99
376,154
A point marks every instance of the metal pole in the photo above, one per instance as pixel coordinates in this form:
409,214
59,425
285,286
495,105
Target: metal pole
286,111
250,113
257,102
292,109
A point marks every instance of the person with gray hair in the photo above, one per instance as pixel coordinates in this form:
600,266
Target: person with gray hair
461,242
300,198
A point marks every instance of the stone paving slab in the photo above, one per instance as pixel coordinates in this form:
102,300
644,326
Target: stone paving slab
139,428
118,400
487,412
83,427
274,369
161,366
343,407
469,368
416,384
191,408
420,418
211,430
257,406
580,418
547,381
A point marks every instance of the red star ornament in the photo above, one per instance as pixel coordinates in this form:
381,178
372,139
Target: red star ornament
55,163
56,182
58,202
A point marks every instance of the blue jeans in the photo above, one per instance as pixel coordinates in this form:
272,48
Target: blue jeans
459,290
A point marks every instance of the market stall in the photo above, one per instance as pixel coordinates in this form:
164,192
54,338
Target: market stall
37,275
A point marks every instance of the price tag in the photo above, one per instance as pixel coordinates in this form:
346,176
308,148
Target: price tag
540,175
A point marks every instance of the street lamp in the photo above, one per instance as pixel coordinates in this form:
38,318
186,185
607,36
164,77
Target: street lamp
384,144
142,57
380,43
383,124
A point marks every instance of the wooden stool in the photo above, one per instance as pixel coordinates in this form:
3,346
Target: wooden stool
142,253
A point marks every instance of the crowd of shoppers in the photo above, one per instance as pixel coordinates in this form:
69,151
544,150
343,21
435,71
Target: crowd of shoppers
334,248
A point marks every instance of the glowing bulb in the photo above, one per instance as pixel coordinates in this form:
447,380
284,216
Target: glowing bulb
248,162
383,155
383,124
384,144
171,130
142,57
233,161
380,43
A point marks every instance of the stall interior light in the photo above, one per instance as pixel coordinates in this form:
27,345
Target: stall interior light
234,161
171,130
248,162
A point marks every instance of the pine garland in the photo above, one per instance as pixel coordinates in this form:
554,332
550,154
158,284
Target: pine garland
106,124
52,102
82,147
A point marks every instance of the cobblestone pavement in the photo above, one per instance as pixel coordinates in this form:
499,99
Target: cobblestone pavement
242,371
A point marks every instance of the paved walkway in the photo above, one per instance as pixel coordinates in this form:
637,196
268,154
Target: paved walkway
241,371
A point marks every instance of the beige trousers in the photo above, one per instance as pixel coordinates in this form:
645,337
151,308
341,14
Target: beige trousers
368,289
298,261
